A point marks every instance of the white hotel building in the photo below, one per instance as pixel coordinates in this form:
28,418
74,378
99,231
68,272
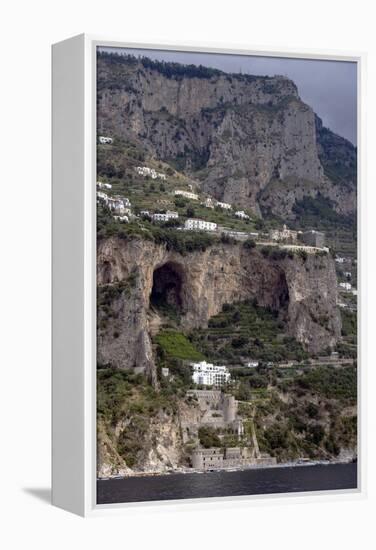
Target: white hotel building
193,224
208,374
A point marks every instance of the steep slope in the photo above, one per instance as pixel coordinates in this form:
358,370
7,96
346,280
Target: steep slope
244,138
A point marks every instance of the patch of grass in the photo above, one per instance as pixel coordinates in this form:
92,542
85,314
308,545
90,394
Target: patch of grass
176,345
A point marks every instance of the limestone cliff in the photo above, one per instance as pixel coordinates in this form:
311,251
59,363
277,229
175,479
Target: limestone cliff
236,135
199,284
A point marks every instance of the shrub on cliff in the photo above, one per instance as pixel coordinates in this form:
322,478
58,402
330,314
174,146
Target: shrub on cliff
249,243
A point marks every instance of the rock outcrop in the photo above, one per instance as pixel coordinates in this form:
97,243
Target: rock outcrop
198,284
234,134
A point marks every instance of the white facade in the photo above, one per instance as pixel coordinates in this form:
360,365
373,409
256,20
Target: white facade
242,215
186,194
164,217
105,139
123,219
224,205
103,196
146,171
199,225
346,286
252,364
165,372
208,374
104,185
209,203
119,205
283,234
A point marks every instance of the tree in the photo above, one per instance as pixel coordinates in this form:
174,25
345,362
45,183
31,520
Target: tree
190,212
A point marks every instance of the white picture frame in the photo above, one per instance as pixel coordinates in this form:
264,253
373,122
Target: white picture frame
74,275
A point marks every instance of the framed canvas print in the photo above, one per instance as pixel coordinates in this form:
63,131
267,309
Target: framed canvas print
205,274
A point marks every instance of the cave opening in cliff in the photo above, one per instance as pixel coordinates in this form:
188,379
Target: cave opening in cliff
166,294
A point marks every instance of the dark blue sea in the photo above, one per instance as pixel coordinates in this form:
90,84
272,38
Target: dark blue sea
294,479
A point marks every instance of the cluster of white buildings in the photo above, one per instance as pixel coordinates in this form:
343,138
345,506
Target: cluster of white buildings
193,224
105,140
186,194
211,203
283,234
146,171
163,217
208,374
119,205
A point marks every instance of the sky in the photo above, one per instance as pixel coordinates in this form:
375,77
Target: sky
329,87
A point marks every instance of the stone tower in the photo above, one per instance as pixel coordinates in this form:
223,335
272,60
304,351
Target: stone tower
230,407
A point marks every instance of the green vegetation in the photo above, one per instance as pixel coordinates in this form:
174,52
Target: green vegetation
310,210
337,155
176,344
123,395
247,330
208,437
349,323
332,383
314,423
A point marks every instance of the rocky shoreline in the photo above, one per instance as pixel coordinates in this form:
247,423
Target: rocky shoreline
183,471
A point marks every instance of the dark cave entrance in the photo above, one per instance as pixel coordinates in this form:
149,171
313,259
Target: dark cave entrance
283,297
166,294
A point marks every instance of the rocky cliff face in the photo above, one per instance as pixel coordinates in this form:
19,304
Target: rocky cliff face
236,135
198,285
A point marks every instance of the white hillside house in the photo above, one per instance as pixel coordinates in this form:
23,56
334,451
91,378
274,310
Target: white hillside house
242,215
186,194
208,374
208,202
164,217
146,171
193,224
104,140
345,286
224,205
102,185
123,219
103,196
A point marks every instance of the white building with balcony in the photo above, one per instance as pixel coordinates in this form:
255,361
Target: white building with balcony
164,217
193,224
186,194
207,374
